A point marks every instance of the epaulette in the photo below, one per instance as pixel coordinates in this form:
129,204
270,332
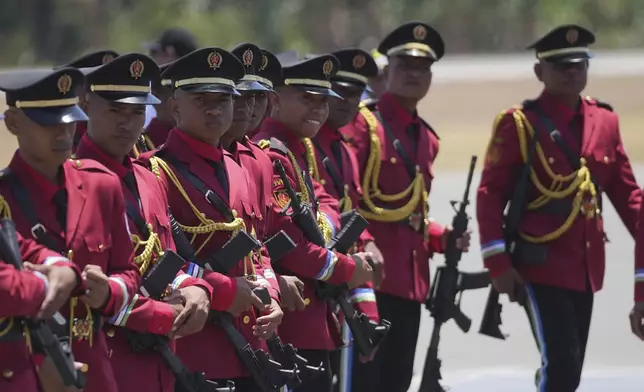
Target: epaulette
369,103
598,103
89,165
430,128
278,145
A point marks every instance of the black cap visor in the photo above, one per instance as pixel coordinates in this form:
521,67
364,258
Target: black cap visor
130,98
352,83
56,115
316,90
210,88
251,85
570,57
413,52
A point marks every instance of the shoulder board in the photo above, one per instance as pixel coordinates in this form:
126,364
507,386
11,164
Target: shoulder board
598,103
278,145
369,103
430,128
89,165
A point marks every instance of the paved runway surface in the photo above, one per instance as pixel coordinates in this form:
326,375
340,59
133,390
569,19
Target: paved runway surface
473,362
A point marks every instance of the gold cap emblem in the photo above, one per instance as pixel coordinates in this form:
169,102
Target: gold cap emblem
215,60
327,68
64,84
359,61
247,58
136,69
264,63
107,57
420,32
572,36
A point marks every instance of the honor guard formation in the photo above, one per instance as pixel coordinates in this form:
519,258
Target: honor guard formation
269,229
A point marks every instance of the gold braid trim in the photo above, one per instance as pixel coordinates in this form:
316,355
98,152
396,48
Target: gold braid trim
580,183
415,191
311,159
152,249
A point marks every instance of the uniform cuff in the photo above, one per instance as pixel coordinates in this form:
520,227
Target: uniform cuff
339,268
60,261
639,285
224,294
119,297
162,319
435,233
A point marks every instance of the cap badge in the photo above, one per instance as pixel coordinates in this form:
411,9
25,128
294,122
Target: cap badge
64,84
420,32
107,57
264,63
136,69
359,61
327,68
247,58
215,60
571,36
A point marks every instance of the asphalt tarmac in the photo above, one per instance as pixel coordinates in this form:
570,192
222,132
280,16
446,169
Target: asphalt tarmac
473,362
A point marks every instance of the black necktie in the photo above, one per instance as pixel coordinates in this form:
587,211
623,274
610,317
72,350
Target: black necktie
130,183
576,129
412,134
60,201
337,154
220,172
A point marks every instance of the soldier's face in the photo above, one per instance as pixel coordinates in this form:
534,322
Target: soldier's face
259,110
114,126
205,116
163,112
563,78
302,112
243,114
409,77
378,84
51,144
342,111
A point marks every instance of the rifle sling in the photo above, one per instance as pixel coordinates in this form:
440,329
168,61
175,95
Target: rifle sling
409,164
335,176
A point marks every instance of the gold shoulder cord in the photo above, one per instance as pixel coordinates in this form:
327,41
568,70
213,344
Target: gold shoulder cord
148,142
206,225
579,182
371,191
311,158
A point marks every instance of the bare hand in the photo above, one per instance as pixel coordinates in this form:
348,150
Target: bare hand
97,285
291,289
378,262
510,283
462,243
245,298
637,320
194,314
267,324
61,282
363,272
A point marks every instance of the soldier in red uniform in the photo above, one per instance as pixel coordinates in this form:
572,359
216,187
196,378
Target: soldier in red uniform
156,132
74,207
396,150
269,69
115,123
299,110
89,60
209,196
30,293
571,152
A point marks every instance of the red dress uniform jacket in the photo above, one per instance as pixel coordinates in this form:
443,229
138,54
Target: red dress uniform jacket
141,371
209,351
96,233
406,252
81,130
316,328
329,143
21,294
576,256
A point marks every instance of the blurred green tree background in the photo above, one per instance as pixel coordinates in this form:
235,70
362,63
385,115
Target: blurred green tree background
54,31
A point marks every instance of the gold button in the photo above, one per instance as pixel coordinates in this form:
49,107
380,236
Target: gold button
307,301
551,160
417,169
78,163
234,211
392,160
588,244
100,247
85,367
7,373
605,159
110,333
246,320
323,181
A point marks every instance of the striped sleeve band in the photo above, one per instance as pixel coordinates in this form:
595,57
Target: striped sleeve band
329,266
126,295
492,248
363,294
51,260
176,283
121,317
639,275
195,271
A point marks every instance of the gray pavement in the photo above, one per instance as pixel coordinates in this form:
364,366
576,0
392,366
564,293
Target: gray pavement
473,362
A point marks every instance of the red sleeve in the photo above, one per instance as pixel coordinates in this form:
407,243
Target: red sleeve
144,314
435,233
320,263
124,276
224,288
639,259
21,292
622,190
497,182
364,300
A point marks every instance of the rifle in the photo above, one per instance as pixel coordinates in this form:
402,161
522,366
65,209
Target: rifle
154,284
449,284
268,374
367,335
286,354
44,341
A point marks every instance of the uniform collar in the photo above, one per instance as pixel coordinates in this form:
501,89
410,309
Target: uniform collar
88,149
204,150
275,128
392,110
46,188
556,109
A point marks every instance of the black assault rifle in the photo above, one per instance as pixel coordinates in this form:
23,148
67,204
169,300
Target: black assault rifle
267,373
367,334
447,289
44,341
